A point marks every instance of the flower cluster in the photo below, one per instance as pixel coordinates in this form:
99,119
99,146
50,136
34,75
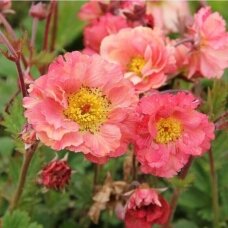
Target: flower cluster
113,93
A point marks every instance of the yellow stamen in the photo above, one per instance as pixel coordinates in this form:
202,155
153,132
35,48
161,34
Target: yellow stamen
168,130
88,107
136,65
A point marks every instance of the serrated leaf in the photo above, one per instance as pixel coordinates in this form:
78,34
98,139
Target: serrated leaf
14,122
216,99
18,219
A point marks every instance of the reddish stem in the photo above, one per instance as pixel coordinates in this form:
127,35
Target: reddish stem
54,27
21,78
23,175
47,26
7,26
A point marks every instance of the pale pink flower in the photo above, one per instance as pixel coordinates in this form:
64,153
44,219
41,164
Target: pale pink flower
169,131
169,15
143,55
83,104
145,208
100,28
209,55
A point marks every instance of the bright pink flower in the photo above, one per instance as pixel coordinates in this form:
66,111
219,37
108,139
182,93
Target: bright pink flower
55,175
169,15
145,208
143,55
100,28
209,55
83,104
169,131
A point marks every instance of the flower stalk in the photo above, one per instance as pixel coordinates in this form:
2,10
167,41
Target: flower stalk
23,175
214,188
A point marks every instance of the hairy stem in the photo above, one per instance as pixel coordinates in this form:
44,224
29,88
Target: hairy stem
22,178
214,187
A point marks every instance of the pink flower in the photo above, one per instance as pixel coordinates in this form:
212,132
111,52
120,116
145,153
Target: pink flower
169,131
145,208
5,5
90,10
169,15
100,28
84,104
143,55
55,175
209,55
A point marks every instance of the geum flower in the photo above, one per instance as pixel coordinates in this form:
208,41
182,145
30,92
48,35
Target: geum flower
208,57
169,131
100,28
84,104
142,54
146,207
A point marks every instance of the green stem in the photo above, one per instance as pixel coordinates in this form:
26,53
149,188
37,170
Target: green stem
23,175
214,188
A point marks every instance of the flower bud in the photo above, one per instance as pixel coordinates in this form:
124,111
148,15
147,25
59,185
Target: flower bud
28,135
55,175
38,11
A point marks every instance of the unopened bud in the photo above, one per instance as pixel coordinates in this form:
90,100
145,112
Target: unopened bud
38,11
55,175
28,135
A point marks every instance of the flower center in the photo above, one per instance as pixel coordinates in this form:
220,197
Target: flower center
88,107
168,130
136,65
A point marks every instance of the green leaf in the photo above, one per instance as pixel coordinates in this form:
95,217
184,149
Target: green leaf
14,122
184,223
216,99
18,219
69,25
6,147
